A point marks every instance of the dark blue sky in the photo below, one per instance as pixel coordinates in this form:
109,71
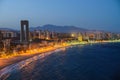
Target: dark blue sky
90,14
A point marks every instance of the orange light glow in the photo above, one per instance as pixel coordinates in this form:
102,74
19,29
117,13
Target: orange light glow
34,51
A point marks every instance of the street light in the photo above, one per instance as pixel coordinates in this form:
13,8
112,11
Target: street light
72,35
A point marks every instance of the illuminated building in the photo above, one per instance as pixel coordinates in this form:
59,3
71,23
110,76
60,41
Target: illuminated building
99,36
91,36
47,35
37,34
80,38
85,36
52,35
109,36
8,34
73,35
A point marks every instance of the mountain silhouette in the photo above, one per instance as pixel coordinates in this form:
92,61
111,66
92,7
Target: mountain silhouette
63,29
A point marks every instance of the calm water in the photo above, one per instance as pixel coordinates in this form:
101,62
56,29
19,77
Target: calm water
89,62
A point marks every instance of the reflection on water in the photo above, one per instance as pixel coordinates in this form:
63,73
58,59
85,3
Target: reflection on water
90,62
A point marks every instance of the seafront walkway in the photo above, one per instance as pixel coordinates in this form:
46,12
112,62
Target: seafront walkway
15,58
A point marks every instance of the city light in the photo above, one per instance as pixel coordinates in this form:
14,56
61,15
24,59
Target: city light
73,35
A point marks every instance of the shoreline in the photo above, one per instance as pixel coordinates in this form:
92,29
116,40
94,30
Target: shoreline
5,62
19,65
6,72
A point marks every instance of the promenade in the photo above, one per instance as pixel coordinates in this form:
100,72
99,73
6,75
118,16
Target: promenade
15,58
8,60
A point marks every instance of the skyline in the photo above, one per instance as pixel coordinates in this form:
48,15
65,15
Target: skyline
94,14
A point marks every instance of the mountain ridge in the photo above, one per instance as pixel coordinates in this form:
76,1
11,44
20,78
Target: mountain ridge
55,28
63,29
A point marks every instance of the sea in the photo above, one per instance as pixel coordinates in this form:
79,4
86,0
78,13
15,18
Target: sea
80,62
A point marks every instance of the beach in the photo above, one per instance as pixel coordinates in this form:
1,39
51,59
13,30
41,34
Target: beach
78,62
4,62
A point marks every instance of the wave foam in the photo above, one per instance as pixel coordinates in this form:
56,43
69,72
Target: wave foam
17,66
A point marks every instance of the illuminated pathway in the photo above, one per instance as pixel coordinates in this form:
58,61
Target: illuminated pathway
8,60
89,62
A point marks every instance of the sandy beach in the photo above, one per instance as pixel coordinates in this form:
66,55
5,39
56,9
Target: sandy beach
4,62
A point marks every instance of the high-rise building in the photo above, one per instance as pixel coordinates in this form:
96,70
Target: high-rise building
47,34
24,36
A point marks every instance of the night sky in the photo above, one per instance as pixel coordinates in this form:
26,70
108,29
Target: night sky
89,14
